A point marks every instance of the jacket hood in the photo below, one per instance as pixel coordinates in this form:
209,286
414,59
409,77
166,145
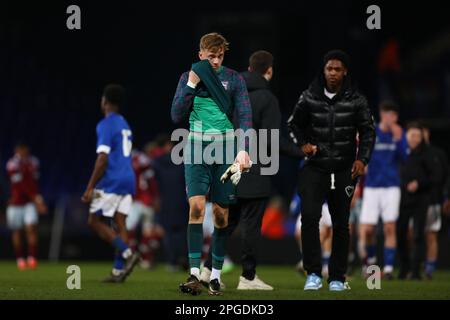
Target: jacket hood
255,81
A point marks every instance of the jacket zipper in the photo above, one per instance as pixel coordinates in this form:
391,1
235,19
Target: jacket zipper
332,124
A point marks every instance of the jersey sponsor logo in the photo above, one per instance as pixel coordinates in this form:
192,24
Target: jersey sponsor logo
225,84
385,146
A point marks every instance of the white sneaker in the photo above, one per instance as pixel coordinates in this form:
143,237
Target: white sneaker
255,284
205,278
205,275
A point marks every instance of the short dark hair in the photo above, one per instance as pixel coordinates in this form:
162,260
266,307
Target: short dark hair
414,125
340,55
114,94
389,106
260,61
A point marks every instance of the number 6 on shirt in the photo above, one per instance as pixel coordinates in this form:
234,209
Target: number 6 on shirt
126,142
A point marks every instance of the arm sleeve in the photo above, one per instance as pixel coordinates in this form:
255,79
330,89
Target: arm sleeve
433,170
447,187
242,104
402,148
33,188
12,168
182,100
298,121
366,130
271,119
243,111
104,138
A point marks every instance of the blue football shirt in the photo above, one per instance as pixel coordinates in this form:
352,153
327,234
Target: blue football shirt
114,138
387,155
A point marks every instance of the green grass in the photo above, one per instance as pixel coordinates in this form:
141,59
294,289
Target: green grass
49,282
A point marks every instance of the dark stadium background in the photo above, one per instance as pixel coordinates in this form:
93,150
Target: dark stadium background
51,79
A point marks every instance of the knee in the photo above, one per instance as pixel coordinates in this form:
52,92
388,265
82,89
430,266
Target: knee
197,211
120,221
389,230
93,221
368,231
220,217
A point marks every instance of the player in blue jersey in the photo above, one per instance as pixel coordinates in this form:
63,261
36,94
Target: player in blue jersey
382,189
112,184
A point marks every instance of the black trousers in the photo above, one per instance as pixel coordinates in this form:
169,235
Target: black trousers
249,212
315,187
175,245
418,212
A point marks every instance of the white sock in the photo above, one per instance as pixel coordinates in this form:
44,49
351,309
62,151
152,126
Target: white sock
116,272
388,269
195,272
215,274
127,253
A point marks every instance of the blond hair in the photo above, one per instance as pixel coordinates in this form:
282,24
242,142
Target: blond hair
213,41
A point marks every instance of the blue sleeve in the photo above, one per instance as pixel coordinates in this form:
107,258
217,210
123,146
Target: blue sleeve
104,137
402,148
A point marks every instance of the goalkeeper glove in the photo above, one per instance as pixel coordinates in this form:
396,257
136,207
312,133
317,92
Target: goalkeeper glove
234,173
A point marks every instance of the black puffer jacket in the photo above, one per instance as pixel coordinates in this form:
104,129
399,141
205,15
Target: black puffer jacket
332,125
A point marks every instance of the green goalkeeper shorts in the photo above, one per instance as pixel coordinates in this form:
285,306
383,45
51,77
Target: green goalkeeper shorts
203,177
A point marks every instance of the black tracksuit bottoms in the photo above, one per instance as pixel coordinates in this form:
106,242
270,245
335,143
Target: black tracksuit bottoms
315,187
417,210
249,212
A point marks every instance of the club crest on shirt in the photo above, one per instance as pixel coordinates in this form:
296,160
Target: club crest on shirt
225,84
349,190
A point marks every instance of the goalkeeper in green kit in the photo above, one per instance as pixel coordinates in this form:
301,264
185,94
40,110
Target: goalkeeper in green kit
210,95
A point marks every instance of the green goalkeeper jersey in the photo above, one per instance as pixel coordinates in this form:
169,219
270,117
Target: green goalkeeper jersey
206,116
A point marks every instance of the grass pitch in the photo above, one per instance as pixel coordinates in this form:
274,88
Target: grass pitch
49,282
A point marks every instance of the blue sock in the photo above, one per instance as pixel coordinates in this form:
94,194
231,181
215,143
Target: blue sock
371,250
389,256
325,259
430,266
119,244
119,261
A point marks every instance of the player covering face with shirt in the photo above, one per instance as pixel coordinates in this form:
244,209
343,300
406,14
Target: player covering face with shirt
202,96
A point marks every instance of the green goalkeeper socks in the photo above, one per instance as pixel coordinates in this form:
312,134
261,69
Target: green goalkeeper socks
195,244
219,238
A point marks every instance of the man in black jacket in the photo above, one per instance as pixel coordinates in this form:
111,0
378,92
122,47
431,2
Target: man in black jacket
254,189
325,123
433,220
419,176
